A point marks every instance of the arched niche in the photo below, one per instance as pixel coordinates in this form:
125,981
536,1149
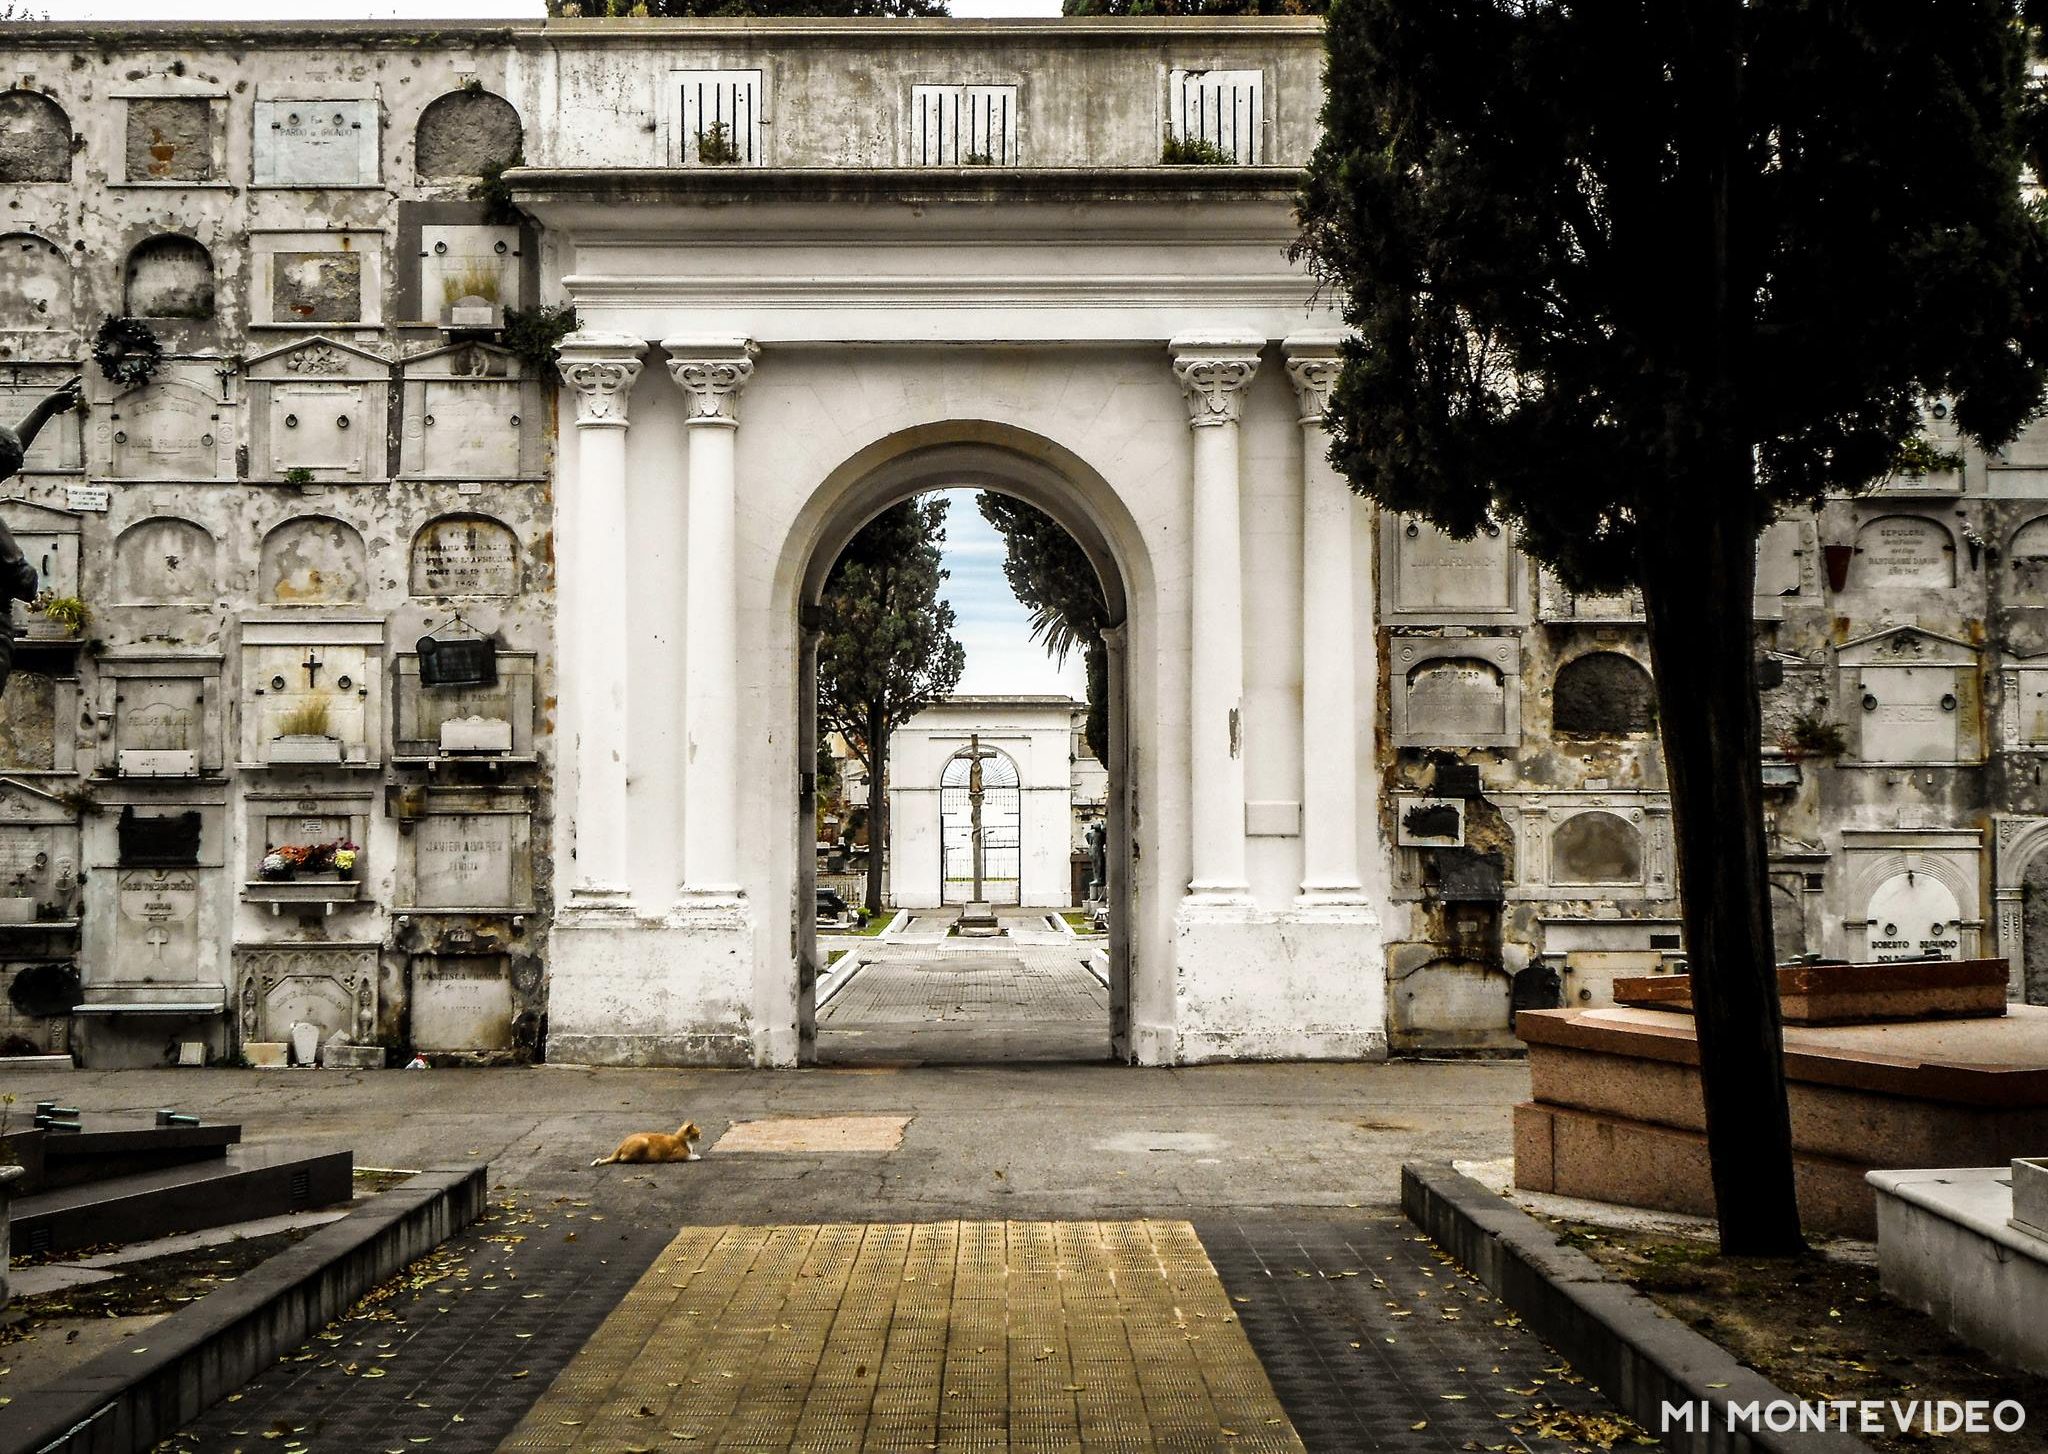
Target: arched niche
1913,915
1602,694
169,276
165,559
464,132
465,555
1596,848
35,138
1903,551
2027,559
313,560
38,290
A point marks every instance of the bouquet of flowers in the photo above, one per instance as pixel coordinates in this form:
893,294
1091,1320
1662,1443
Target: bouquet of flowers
288,860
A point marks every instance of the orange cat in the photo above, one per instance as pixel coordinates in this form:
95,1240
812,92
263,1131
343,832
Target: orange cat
655,1146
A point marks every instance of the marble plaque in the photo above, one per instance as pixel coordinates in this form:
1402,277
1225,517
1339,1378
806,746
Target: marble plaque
470,429
316,287
467,267
159,714
333,986
322,427
156,931
291,687
1456,695
1596,848
1903,550
167,430
1913,916
1910,713
464,861
28,723
1433,572
28,861
461,1002
2027,558
315,143
466,555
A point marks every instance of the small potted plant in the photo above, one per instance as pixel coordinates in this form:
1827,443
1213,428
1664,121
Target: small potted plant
53,616
308,873
471,297
302,734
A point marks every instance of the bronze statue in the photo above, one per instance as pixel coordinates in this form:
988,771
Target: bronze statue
17,577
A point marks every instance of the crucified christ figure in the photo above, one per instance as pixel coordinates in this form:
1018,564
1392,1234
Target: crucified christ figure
17,577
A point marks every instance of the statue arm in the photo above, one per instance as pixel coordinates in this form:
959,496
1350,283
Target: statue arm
46,409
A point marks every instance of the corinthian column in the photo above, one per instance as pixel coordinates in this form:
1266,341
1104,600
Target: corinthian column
1213,369
600,369
711,372
1329,649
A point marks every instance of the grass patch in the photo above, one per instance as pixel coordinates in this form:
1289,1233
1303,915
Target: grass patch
875,925
1079,921
833,956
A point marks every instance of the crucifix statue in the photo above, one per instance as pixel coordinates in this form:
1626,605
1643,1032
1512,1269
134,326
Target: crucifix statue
977,914
17,577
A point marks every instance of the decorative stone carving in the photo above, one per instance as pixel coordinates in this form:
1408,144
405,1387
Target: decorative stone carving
1590,845
330,985
469,416
1214,370
317,358
1314,376
601,368
711,373
320,405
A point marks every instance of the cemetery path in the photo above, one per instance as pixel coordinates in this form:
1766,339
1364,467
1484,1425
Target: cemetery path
968,1001
1287,1174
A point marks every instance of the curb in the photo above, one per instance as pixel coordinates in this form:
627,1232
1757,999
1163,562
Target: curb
134,1395
1639,1356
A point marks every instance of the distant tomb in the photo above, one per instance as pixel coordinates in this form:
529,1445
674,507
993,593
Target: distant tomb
1596,848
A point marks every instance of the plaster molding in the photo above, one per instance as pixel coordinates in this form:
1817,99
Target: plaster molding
1214,370
711,372
601,368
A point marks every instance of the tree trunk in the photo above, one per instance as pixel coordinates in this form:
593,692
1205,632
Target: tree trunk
1698,569
878,809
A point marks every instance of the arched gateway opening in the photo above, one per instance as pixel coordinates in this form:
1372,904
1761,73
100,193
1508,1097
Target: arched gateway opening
1007,461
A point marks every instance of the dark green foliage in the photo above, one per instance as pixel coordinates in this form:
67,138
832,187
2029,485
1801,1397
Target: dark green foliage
1051,575
767,9
495,193
1636,275
886,649
1192,151
533,334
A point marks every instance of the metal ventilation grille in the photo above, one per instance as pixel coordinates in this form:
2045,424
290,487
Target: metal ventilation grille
728,101
302,1186
954,126
1223,108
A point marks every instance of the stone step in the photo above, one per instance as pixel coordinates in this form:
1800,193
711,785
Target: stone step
238,1185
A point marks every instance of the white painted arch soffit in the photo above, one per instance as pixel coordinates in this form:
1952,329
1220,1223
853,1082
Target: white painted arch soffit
901,256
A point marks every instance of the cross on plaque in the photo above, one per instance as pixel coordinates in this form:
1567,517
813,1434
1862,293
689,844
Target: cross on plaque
312,664
977,912
156,939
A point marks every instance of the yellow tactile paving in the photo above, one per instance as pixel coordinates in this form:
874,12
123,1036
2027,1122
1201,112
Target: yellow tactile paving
968,1336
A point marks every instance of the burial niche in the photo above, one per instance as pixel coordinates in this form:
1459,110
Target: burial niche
170,276
164,559
2028,558
1596,848
314,560
1452,697
35,283
1913,916
1602,694
1904,550
464,132
465,555
28,722
35,138
170,139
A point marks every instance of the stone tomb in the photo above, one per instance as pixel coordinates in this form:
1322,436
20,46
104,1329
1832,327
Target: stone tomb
1456,691
1604,846
465,555
1430,577
174,139
161,715
1912,697
315,143
178,426
470,850
156,927
37,711
469,415
285,819
1912,893
312,691
461,1003
48,538
164,560
329,984
1785,566
434,721
469,275
319,405
39,858
307,278
1615,1114
1903,552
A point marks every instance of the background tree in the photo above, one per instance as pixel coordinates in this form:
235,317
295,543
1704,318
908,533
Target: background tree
887,650
768,9
1051,576
1636,275
1194,7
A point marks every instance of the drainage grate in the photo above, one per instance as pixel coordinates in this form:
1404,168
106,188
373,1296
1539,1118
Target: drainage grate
38,1241
302,1186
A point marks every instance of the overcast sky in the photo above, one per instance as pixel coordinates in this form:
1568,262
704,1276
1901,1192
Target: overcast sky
386,9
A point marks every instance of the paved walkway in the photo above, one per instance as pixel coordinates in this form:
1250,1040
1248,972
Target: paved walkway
961,1001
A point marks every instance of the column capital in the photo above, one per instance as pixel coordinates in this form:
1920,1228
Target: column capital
1213,368
711,371
1314,359
602,368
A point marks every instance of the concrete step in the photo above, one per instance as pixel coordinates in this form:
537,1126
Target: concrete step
234,1187
52,1159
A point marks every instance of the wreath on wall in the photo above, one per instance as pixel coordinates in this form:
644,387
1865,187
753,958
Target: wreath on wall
127,351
